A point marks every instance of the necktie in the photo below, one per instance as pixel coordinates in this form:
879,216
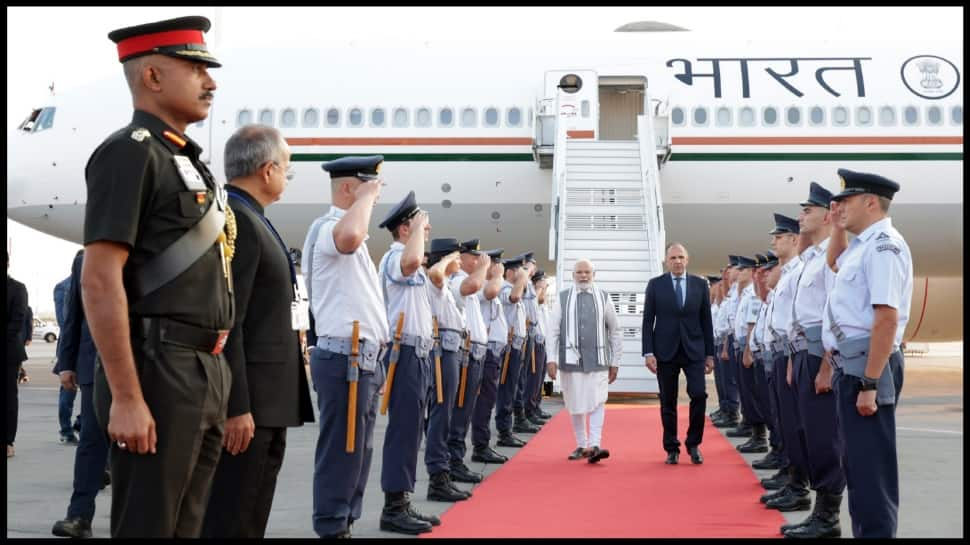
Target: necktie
679,292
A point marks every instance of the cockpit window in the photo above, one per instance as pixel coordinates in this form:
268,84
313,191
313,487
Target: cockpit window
38,120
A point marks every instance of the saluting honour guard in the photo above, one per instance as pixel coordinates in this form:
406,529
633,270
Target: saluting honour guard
726,359
811,374
784,244
449,330
156,286
409,373
759,345
465,284
516,277
498,331
531,370
745,315
533,407
352,333
714,284
867,312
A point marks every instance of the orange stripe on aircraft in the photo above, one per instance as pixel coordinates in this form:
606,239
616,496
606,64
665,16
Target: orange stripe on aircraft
410,141
812,140
579,134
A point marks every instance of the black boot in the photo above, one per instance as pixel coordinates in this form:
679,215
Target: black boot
396,516
486,455
785,528
758,441
441,489
508,440
726,420
460,473
430,519
774,494
522,425
535,420
826,522
743,429
776,481
772,461
793,500
543,415
72,527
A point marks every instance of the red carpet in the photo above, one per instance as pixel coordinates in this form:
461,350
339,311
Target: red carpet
539,493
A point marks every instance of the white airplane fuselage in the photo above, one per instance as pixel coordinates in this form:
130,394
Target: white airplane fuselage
719,187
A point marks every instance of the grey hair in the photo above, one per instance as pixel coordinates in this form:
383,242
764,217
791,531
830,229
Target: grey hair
675,243
587,260
251,147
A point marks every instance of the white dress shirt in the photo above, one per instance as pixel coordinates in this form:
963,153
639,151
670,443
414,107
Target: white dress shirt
406,294
474,321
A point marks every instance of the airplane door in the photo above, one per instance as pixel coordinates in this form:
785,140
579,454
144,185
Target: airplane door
578,94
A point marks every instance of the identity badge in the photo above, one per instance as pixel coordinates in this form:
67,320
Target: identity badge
190,176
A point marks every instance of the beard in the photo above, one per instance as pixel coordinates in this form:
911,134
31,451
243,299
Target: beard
584,285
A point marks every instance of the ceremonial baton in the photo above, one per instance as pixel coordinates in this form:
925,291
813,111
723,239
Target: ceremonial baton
352,387
395,354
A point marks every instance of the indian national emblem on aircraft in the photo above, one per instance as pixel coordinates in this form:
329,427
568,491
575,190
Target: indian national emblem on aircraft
929,76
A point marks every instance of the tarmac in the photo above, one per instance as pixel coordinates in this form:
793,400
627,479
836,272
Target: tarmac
929,442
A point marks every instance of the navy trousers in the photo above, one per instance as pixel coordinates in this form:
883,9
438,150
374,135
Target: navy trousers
487,396
461,416
405,423
746,387
440,414
764,402
869,456
65,406
779,439
729,370
506,392
339,478
525,370
823,446
89,460
536,379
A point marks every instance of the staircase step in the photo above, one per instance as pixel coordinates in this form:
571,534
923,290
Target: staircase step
604,235
605,269
600,144
607,169
600,255
606,246
603,177
605,210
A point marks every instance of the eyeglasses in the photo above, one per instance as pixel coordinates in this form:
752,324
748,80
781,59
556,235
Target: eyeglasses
288,172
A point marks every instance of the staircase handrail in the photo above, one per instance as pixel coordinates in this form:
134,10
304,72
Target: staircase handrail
649,169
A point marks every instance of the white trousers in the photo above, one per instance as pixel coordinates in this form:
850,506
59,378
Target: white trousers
595,427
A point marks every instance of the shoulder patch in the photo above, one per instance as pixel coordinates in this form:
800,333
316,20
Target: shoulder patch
140,134
888,248
883,236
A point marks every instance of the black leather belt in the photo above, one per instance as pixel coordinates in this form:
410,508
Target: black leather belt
187,335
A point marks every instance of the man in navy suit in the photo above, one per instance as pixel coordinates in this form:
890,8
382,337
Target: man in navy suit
678,335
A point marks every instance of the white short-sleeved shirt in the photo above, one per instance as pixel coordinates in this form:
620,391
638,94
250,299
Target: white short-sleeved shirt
742,316
767,336
714,309
444,307
730,309
758,333
784,297
530,302
406,294
343,287
812,288
474,322
498,328
514,312
875,269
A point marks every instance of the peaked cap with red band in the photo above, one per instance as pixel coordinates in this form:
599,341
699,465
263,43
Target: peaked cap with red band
180,38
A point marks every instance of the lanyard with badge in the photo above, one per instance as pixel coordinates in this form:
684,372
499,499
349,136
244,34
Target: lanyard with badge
300,307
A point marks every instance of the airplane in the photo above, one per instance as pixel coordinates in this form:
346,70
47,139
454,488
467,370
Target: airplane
740,130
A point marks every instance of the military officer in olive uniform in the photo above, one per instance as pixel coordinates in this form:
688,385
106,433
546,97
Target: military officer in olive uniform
156,286
344,290
864,321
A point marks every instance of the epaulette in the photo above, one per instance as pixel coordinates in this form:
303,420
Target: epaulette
140,134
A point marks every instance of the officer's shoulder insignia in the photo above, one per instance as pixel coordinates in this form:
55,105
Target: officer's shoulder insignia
888,247
883,236
140,134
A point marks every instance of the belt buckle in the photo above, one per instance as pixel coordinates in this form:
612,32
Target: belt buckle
220,342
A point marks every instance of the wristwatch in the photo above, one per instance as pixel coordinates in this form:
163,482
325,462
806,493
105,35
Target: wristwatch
866,383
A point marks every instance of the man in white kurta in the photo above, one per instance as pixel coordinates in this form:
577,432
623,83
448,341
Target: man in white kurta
584,337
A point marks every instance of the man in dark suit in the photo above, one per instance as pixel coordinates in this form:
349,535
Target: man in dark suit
270,391
16,354
75,367
678,335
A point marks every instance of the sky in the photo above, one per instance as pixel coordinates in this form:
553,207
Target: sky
69,54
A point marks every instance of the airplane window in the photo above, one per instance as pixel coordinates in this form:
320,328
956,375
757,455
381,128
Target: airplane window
491,117
677,116
910,115
288,118
28,124
934,116
956,115
355,117
816,116
584,108
793,115
266,117
423,118
445,117
400,117
863,116
840,116
887,116
513,117
311,118
746,117
243,118
700,116
723,117
377,117
45,120
333,117
468,117
769,116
